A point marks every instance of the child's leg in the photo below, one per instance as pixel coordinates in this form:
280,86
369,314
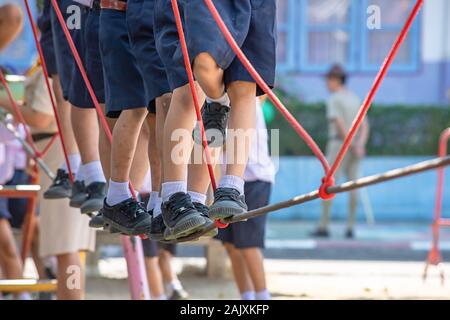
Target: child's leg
140,164
70,287
241,272
241,124
125,136
9,258
254,261
177,141
11,21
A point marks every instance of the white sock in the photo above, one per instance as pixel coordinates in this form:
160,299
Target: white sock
157,209
93,172
161,297
263,295
223,100
248,295
74,161
233,182
197,197
80,174
170,188
118,192
176,285
154,195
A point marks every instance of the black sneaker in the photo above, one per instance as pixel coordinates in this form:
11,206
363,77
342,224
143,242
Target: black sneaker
96,193
180,217
228,203
204,210
320,233
179,295
61,187
97,221
215,119
157,229
129,217
78,194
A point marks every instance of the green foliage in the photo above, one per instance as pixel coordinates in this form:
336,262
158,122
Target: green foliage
395,130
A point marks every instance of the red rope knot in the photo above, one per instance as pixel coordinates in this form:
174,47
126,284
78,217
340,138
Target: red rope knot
326,183
221,225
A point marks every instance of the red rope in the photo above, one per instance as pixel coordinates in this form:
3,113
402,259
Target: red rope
259,80
190,75
18,113
50,92
85,78
368,101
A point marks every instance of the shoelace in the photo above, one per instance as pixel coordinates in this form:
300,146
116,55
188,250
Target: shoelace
180,205
60,177
215,118
137,209
202,209
227,194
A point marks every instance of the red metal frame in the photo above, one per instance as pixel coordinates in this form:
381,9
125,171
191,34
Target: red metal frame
30,217
434,256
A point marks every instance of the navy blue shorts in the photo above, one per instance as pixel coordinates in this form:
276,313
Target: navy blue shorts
168,43
124,86
252,24
250,233
87,43
140,15
46,40
151,248
63,55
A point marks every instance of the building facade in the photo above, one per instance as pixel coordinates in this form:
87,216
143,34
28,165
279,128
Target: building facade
314,34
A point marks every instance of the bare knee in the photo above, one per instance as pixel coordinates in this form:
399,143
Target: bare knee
12,15
204,64
241,90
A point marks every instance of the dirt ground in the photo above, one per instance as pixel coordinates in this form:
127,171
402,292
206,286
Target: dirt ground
292,279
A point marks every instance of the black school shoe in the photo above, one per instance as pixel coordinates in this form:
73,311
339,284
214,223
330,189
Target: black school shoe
215,120
97,222
228,203
157,228
96,193
61,187
204,210
180,217
78,194
129,217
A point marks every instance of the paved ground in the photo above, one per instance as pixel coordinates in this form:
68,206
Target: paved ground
383,262
290,279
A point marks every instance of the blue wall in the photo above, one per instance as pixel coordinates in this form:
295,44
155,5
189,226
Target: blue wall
428,85
406,199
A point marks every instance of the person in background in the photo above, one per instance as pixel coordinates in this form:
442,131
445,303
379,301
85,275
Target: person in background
244,241
174,288
342,108
10,262
11,23
64,233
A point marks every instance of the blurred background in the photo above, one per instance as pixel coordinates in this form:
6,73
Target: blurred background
409,113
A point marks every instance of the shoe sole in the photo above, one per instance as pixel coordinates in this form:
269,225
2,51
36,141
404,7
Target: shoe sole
76,203
195,236
91,205
225,212
57,195
184,227
142,228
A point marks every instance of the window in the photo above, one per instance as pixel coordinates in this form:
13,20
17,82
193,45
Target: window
313,34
